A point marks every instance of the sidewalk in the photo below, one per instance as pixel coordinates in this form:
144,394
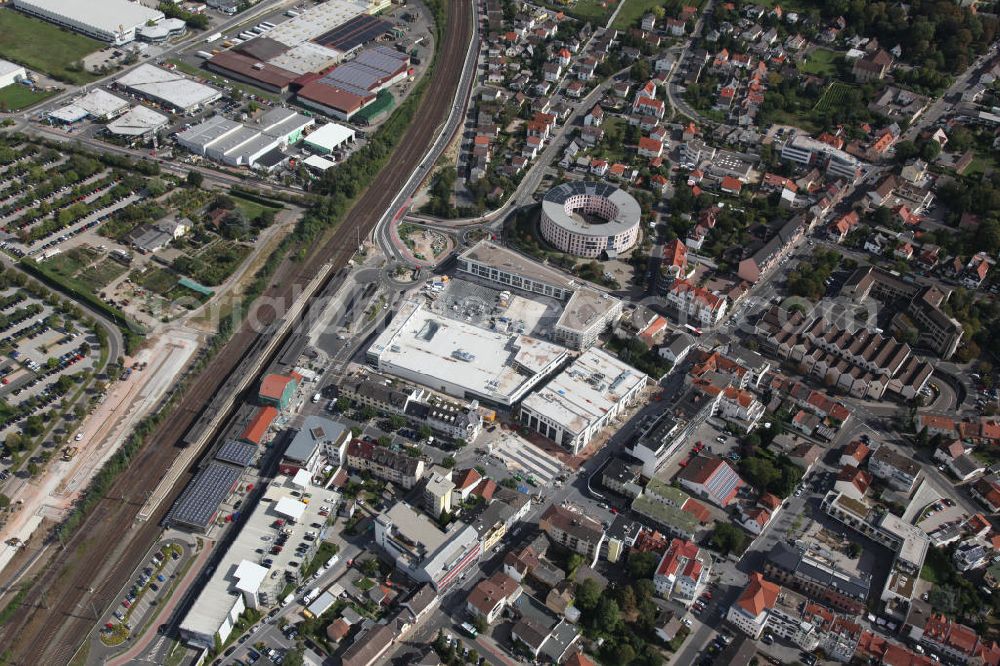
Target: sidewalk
142,643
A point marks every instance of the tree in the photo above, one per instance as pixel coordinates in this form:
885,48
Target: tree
385,440
343,404
573,563
479,622
194,179
640,70
295,656
369,566
629,604
4,501
930,150
367,413
854,550
642,565
588,594
424,432
727,538
396,422
448,462
608,616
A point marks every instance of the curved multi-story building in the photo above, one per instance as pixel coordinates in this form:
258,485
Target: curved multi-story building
587,219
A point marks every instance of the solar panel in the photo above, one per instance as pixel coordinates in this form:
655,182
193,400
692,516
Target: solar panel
200,501
354,33
238,453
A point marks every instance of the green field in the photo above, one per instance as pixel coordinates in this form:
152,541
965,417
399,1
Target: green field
101,274
251,209
821,62
585,10
634,10
16,97
45,47
157,280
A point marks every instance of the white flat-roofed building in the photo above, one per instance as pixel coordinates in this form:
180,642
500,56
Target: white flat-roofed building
327,138
113,21
229,142
140,121
11,73
422,550
505,267
806,150
245,578
168,88
306,58
317,163
587,314
102,105
460,359
583,400
315,21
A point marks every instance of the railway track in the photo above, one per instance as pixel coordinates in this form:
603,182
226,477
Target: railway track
87,571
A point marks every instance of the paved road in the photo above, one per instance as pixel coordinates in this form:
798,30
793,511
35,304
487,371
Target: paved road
385,230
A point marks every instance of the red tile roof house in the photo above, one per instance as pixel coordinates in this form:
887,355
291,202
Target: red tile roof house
749,613
956,641
682,572
490,596
711,478
649,106
731,185
854,453
650,147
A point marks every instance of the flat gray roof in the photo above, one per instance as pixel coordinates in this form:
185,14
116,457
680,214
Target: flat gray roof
489,253
585,391
169,87
206,132
137,121
106,15
314,431
584,307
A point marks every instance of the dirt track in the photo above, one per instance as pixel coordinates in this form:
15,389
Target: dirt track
57,614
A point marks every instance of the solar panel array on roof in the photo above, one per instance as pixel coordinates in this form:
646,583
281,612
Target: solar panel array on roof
371,68
354,33
200,501
566,190
238,453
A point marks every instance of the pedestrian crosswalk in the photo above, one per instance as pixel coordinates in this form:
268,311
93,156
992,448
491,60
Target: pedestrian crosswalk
521,456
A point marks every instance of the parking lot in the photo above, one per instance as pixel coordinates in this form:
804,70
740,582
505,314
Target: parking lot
149,585
46,354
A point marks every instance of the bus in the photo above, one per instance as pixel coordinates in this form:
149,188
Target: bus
692,329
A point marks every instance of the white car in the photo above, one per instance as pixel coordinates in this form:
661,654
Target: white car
78,437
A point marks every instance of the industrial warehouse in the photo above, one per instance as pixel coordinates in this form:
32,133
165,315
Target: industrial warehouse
115,21
169,89
232,143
